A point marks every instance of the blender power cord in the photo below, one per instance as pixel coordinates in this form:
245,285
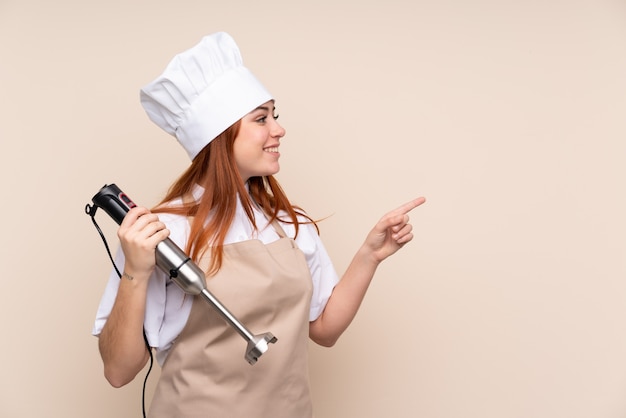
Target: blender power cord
91,210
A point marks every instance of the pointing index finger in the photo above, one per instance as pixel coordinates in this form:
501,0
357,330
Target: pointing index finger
409,206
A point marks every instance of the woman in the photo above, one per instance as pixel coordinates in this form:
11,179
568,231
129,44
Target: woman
263,257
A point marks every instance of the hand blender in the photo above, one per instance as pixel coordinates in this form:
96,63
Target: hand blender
184,272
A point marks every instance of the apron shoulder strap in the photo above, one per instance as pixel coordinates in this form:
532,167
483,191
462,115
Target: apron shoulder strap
279,229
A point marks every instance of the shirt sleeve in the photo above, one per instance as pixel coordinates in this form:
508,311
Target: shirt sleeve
323,273
108,297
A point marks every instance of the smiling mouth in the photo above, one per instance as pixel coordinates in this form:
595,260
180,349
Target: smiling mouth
271,149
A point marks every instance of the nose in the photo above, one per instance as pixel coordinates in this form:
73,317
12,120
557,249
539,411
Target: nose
277,130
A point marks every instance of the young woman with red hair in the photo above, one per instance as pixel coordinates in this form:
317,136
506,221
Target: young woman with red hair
262,256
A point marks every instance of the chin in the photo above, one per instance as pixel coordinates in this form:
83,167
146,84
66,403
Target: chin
272,172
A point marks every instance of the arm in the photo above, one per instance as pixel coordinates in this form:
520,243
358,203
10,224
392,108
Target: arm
390,234
122,347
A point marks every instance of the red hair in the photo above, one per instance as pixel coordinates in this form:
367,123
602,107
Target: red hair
215,169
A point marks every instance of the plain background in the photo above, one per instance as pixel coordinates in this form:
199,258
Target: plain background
507,115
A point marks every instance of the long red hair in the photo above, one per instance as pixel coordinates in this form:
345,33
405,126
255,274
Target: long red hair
215,169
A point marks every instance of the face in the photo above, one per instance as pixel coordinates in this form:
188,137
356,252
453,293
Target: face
256,145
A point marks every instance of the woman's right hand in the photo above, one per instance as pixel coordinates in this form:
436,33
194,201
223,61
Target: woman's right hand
139,234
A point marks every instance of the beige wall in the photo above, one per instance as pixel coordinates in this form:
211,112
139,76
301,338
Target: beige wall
507,115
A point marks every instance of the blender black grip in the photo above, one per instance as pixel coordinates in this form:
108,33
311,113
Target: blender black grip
184,272
114,202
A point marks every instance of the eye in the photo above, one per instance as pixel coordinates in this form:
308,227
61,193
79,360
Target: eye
275,116
262,119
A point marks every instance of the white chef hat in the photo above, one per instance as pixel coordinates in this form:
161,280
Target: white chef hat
202,92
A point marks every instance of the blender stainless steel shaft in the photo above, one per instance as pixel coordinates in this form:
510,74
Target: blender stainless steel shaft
184,272
189,277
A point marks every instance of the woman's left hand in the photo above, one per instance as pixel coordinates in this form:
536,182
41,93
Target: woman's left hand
392,232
